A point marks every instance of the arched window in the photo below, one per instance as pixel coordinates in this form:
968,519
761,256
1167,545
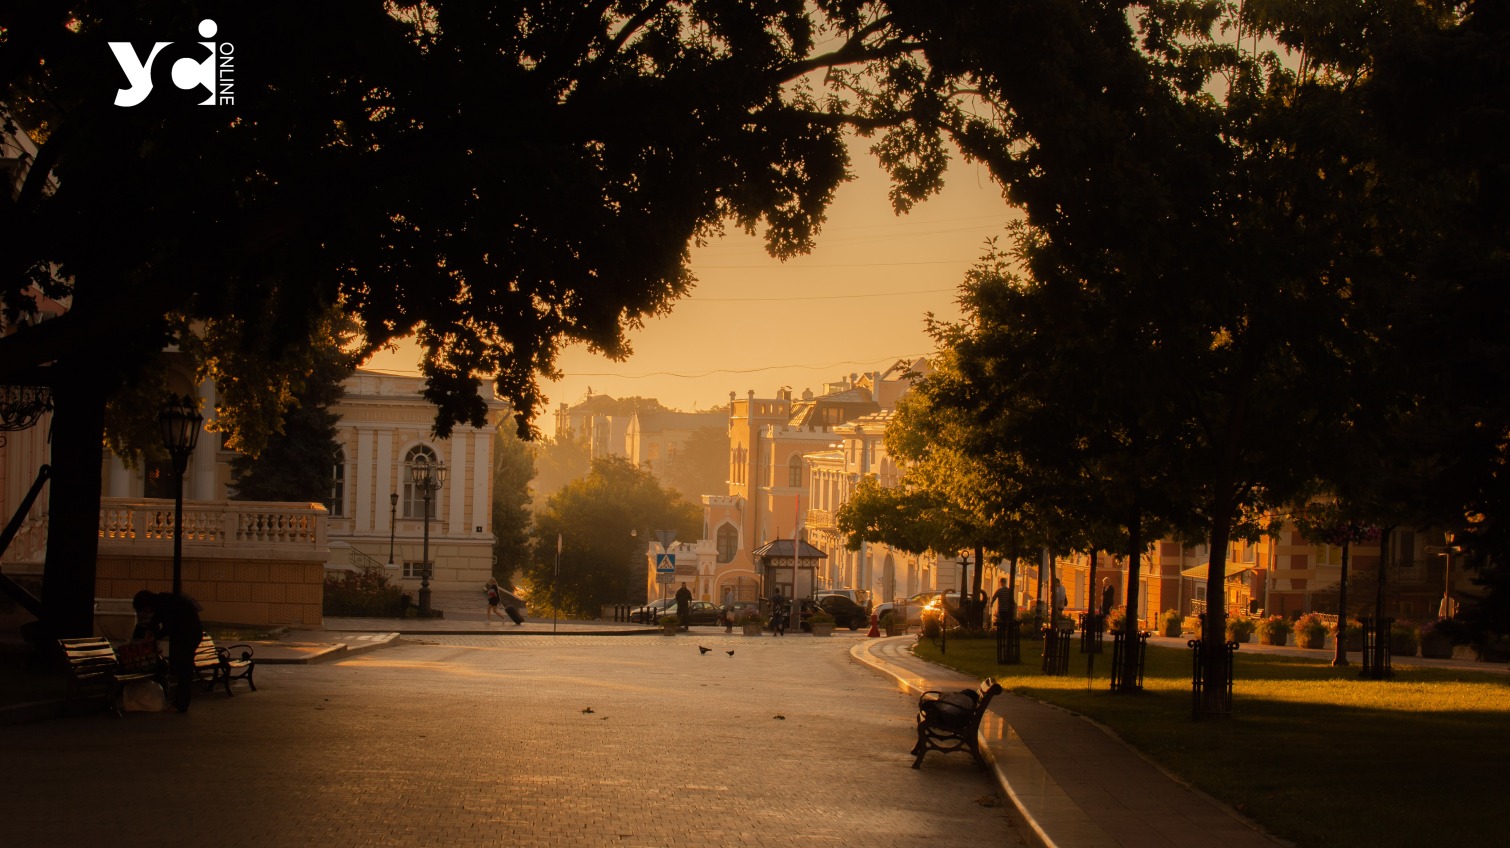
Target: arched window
414,497
728,542
794,471
337,502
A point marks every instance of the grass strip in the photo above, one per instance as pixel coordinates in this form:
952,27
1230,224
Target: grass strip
1313,753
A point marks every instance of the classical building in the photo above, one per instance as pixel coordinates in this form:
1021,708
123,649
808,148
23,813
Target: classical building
377,514
654,440
264,563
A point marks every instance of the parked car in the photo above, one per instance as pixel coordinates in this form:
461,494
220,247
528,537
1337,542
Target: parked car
845,611
701,612
914,605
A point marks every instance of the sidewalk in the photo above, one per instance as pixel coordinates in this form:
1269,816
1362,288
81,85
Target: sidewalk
1074,783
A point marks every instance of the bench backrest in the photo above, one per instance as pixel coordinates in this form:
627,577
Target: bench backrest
90,659
205,655
988,689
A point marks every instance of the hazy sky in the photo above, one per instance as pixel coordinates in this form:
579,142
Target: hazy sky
856,303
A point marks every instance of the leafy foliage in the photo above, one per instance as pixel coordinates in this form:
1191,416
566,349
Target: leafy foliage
601,562
363,593
513,468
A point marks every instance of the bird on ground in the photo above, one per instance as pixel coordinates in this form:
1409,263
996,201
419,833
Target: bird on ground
702,650
731,653
587,709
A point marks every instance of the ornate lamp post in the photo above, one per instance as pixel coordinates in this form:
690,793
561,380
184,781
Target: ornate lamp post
179,423
392,524
428,479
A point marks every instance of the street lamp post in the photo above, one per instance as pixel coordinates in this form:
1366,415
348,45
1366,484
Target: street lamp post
428,479
392,524
1445,610
179,423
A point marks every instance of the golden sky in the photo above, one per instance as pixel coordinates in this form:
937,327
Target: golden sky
856,303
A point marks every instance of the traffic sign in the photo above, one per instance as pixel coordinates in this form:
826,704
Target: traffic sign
665,563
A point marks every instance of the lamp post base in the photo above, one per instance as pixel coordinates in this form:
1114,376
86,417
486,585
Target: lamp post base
424,602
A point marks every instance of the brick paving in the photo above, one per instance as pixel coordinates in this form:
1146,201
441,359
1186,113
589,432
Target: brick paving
450,739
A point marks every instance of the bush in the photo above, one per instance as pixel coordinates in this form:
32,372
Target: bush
1310,631
1117,618
1240,628
668,619
1402,640
1273,630
364,593
820,617
1171,623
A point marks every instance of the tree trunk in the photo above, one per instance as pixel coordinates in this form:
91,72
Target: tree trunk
1214,629
1130,596
73,504
1339,651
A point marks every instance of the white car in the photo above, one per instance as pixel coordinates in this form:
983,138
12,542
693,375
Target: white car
914,605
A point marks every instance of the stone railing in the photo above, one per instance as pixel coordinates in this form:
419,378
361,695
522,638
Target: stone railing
272,526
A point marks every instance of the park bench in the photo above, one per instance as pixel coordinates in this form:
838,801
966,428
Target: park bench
950,721
93,665
218,666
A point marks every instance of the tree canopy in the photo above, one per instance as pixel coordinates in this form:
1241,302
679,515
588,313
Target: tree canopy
604,522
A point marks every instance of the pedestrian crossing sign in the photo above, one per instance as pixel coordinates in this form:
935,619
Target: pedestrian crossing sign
665,563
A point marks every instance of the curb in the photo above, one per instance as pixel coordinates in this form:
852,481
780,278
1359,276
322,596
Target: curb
1014,756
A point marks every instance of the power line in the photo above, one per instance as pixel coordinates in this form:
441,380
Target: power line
695,299
908,356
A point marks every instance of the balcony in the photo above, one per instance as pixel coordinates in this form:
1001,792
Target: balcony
820,519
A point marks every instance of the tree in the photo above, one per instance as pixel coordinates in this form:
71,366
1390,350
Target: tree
297,462
603,522
557,463
513,468
495,180
701,465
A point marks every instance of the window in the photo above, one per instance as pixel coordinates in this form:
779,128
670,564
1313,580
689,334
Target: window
415,570
728,542
414,497
336,504
794,471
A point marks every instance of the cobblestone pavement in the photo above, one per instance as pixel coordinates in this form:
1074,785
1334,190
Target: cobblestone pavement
513,741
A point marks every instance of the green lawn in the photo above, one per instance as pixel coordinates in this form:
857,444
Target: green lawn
1313,753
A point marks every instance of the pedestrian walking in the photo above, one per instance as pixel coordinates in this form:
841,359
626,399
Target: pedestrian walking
1108,594
778,614
495,597
1061,600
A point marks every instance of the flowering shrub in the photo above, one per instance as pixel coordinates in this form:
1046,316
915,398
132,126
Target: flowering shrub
1170,623
1310,631
361,593
1240,628
1273,630
1117,619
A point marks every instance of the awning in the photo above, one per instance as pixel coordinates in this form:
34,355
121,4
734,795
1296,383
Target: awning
1201,571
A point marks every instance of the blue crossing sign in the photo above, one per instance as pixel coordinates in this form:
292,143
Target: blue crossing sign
665,563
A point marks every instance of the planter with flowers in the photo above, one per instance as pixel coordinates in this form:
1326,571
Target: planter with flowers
1310,631
821,623
1273,630
753,624
669,624
1170,623
1436,641
1240,628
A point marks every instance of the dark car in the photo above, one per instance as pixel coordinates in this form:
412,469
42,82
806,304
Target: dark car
701,612
845,611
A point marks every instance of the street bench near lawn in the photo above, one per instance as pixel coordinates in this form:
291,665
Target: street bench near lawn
950,721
